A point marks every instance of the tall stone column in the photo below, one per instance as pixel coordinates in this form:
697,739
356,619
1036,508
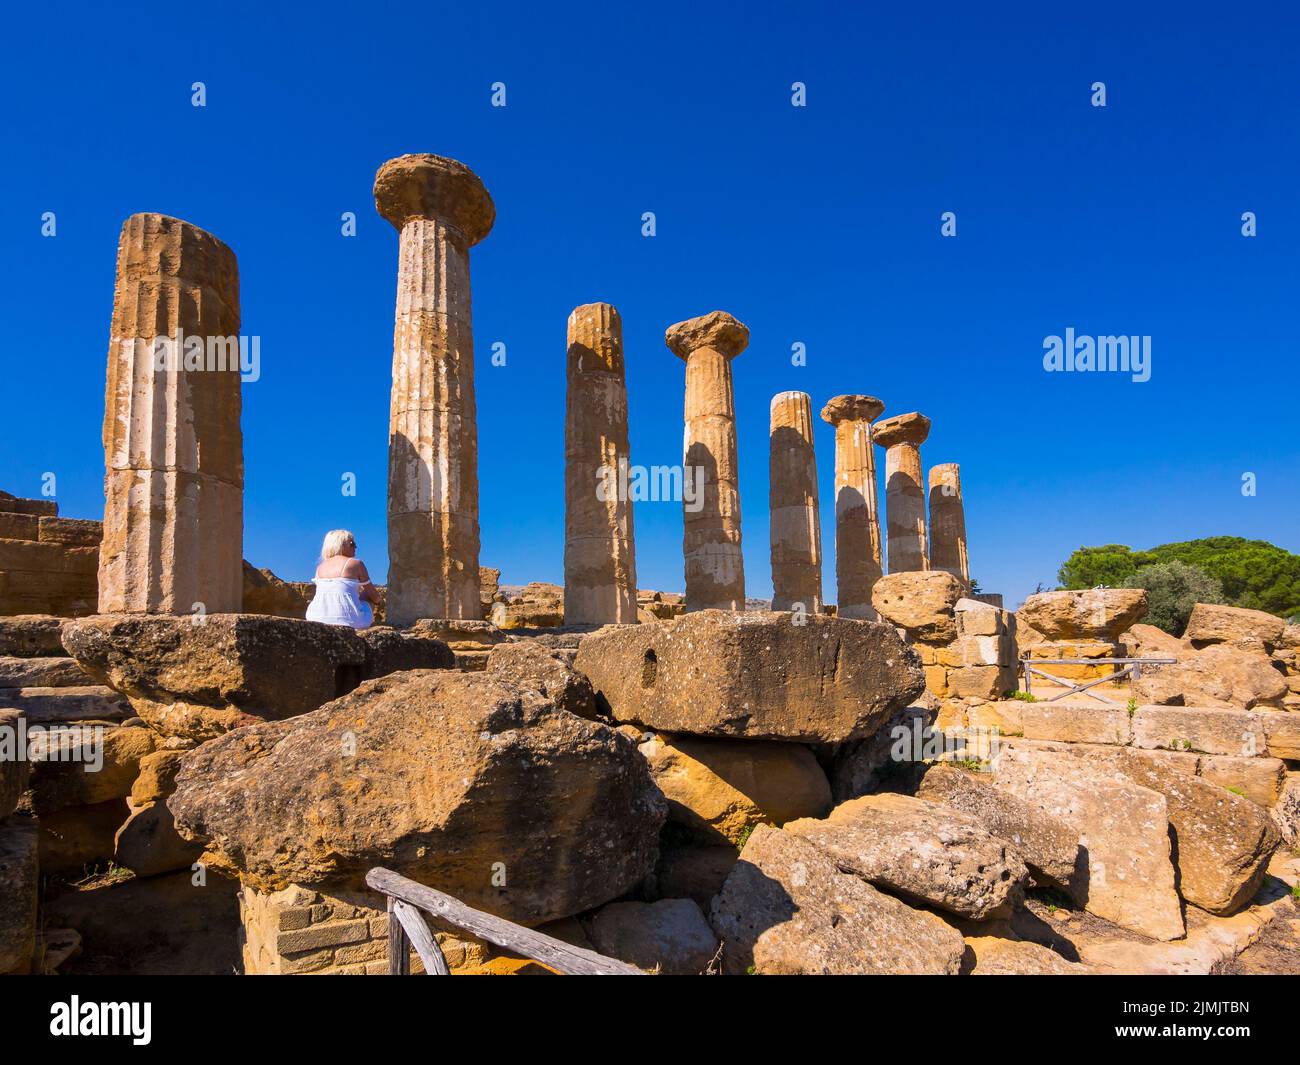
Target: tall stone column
858,557
599,556
173,450
441,210
902,436
715,568
948,522
792,501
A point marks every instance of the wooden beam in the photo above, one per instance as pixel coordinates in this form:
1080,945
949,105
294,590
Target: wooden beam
526,942
399,950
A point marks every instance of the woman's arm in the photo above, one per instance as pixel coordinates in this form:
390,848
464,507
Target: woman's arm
357,570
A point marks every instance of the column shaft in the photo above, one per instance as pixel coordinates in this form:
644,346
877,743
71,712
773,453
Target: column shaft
948,522
858,558
599,552
792,498
173,449
905,509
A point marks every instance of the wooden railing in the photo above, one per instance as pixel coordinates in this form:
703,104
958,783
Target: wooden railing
409,901
1132,668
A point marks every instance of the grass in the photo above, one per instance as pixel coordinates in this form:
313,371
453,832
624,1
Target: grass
1024,697
745,833
1295,892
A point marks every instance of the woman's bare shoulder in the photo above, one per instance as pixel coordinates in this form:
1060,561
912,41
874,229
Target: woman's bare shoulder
356,569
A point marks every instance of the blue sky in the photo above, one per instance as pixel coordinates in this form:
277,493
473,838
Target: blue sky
818,225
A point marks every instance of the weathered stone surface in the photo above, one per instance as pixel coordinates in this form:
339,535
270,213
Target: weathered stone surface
535,667
670,936
1282,732
995,956
1286,814
390,651
795,516
599,546
1147,641
49,706
1048,846
922,603
722,788
81,765
693,872
1257,779
19,886
445,777
1203,729
902,437
265,593
441,209
195,681
537,606
1212,623
156,778
173,449
31,636
1090,614
858,546
1221,675
1127,875
888,757
755,675
715,567
921,850
148,843
14,771
948,522
1222,842
1076,722
787,909
41,673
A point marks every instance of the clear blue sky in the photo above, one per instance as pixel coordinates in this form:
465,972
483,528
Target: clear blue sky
818,225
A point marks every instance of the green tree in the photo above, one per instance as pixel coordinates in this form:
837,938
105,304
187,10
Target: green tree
1090,566
1173,588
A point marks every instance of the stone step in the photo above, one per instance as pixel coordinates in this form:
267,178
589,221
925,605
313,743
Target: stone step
41,673
89,702
31,635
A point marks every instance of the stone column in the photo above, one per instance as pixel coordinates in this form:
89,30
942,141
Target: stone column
599,556
173,451
792,501
902,436
715,569
948,522
858,558
441,210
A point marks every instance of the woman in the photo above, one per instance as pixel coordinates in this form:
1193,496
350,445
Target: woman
344,593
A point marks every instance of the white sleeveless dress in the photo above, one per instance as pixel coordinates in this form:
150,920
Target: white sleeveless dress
338,602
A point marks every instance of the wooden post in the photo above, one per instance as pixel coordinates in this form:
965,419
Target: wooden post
399,948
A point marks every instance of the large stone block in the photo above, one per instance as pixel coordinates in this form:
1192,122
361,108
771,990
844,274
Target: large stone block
51,706
1213,623
31,636
82,765
458,780
670,936
1091,614
41,673
195,678
755,675
1201,729
1128,874
922,602
1076,722
788,909
1282,733
721,789
928,853
15,770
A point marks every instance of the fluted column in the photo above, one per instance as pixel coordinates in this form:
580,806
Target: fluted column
858,556
599,556
902,436
173,450
441,210
948,522
796,531
715,568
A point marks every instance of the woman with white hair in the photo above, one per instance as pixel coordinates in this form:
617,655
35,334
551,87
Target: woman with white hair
344,593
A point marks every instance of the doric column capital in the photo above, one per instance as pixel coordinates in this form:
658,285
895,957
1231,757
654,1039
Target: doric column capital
852,409
430,186
716,330
909,428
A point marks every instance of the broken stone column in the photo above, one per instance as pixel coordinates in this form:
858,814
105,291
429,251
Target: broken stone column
902,436
715,569
948,522
173,450
858,562
441,210
599,556
792,500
